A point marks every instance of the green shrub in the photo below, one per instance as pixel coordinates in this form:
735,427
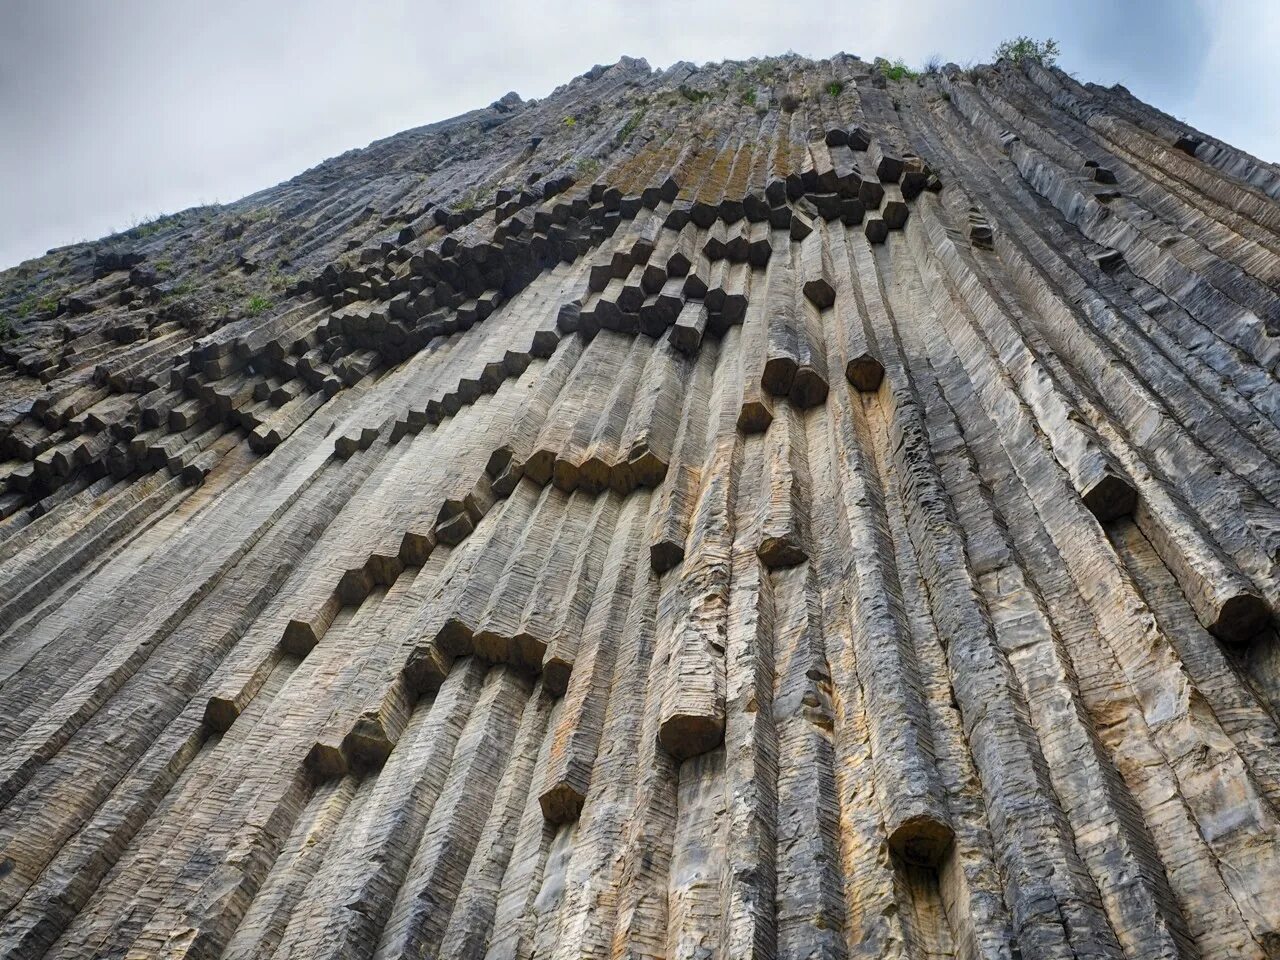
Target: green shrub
1043,52
898,70
692,95
570,121
46,304
835,87
257,304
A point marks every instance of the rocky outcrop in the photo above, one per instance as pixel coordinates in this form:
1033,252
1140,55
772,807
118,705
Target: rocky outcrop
757,510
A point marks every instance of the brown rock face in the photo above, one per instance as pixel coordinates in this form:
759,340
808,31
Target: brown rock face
660,521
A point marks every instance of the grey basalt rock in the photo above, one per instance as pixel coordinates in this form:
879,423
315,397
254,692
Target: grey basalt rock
782,512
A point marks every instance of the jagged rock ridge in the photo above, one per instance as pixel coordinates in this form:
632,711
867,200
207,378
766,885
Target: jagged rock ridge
757,510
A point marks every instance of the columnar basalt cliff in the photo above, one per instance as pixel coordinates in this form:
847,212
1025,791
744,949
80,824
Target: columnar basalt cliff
761,510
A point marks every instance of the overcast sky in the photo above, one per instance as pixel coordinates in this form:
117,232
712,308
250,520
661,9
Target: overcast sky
111,112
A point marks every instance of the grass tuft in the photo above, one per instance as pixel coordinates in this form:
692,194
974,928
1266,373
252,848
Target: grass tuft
630,126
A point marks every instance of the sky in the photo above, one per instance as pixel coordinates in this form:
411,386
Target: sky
114,112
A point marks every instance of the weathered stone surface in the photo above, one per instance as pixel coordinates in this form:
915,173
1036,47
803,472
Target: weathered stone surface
472,548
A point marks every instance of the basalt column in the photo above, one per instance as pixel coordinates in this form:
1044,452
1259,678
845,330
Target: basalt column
759,510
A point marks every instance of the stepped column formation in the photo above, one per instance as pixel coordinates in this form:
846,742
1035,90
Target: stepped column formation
763,509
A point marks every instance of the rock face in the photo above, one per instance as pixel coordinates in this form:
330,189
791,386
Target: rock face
759,510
